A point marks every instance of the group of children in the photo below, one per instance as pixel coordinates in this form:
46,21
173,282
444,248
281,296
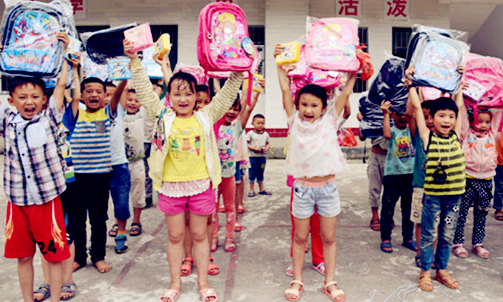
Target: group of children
196,152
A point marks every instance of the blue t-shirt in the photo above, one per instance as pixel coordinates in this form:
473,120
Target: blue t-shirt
419,162
400,158
117,144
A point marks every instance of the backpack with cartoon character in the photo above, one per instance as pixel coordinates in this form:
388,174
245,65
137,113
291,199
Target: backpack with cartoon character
331,45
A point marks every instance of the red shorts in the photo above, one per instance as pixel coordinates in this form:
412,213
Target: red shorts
43,225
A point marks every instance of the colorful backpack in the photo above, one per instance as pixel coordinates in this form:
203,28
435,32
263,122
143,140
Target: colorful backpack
30,46
223,43
331,45
197,72
436,59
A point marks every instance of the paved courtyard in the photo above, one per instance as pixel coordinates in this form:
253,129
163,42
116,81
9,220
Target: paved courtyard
255,271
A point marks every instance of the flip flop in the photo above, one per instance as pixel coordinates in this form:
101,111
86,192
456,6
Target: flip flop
186,268
264,193
68,288
207,293
424,282
459,251
241,209
136,229
294,291
230,245
289,271
221,209
375,225
252,194
333,294
320,268
213,269
386,245
114,230
170,295
447,280
480,251
238,227
411,245
43,289
498,214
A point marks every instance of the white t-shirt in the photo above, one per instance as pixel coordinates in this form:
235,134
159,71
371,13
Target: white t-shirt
134,133
257,140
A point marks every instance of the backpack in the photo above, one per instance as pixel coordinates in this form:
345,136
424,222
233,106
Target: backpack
436,59
331,45
388,85
118,70
197,72
107,43
367,66
223,43
30,46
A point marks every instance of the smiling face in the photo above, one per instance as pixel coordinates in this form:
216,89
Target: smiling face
93,96
202,100
484,119
182,98
428,119
444,121
132,104
28,99
310,107
231,115
400,120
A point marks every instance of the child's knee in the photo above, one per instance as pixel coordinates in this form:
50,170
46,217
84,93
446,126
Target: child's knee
175,237
328,239
25,260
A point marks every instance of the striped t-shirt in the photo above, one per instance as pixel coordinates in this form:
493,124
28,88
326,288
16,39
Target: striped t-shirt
91,142
454,160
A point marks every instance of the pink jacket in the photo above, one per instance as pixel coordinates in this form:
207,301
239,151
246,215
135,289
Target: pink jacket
480,152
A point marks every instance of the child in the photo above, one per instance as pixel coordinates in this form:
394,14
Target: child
228,137
134,132
91,137
184,164
443,185
397,181
312,121
34,178
258,145
479,145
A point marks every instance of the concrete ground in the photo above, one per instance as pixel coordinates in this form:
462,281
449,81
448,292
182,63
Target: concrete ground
255,271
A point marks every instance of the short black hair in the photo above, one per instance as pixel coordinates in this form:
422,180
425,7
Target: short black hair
207,89
258,115
237,103
110,84
315,90
155,82
132,90
21,81
426,104
92,80
471,117
443,103
184,77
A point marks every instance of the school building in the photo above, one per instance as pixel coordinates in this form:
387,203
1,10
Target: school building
385,26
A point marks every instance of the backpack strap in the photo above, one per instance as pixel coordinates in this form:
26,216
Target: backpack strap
250,84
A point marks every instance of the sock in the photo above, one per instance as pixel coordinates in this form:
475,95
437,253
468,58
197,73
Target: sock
122,232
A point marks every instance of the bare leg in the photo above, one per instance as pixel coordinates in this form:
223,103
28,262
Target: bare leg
187,240
55,279
176,230
327,232
375,214
240,188
261,187
45,271
199,232
68,270
25,274
299,242
122,225
418,237
137,215
252,186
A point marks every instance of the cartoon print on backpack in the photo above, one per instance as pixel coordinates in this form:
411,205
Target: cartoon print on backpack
228,31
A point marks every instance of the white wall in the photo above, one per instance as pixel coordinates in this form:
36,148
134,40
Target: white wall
487,41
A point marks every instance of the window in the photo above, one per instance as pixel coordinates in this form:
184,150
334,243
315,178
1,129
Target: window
400,41
361,85
257,35
172,30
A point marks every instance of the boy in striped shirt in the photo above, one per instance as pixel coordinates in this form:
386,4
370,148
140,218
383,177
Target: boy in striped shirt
443,185
92,165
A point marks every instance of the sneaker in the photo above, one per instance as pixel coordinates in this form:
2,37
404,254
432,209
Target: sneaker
120,244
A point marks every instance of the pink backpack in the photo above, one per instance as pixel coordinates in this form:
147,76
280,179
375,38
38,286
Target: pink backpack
331,45
197,72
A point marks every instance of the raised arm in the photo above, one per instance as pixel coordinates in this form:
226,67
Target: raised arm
460,102
386,128
284,84
77,94
117,97
346,92
347,111
165,66
59,90
247,110
424,132
410,117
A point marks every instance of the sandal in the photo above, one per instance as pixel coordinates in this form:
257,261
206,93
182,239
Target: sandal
459,251
68,288
221,209
447,280
498,215
335,293
170,295
375,225
252,194
320,268
214,244
241,209
238,227
386,247
230,245
480,251
424,282
207,293
114,230
295,292
136,229
187,268
289,271
43,289
264,193
411,245
213,269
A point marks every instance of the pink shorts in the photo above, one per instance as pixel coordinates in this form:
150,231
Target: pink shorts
200,204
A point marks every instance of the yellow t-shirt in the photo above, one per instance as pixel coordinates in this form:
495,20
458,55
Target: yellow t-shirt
185,160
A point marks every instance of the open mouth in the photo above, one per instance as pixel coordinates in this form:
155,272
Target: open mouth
94,102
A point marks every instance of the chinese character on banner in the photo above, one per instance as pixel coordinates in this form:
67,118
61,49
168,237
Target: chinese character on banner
396,9
79,9
348,8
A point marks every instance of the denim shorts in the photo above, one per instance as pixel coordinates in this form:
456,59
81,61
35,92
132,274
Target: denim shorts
322,195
